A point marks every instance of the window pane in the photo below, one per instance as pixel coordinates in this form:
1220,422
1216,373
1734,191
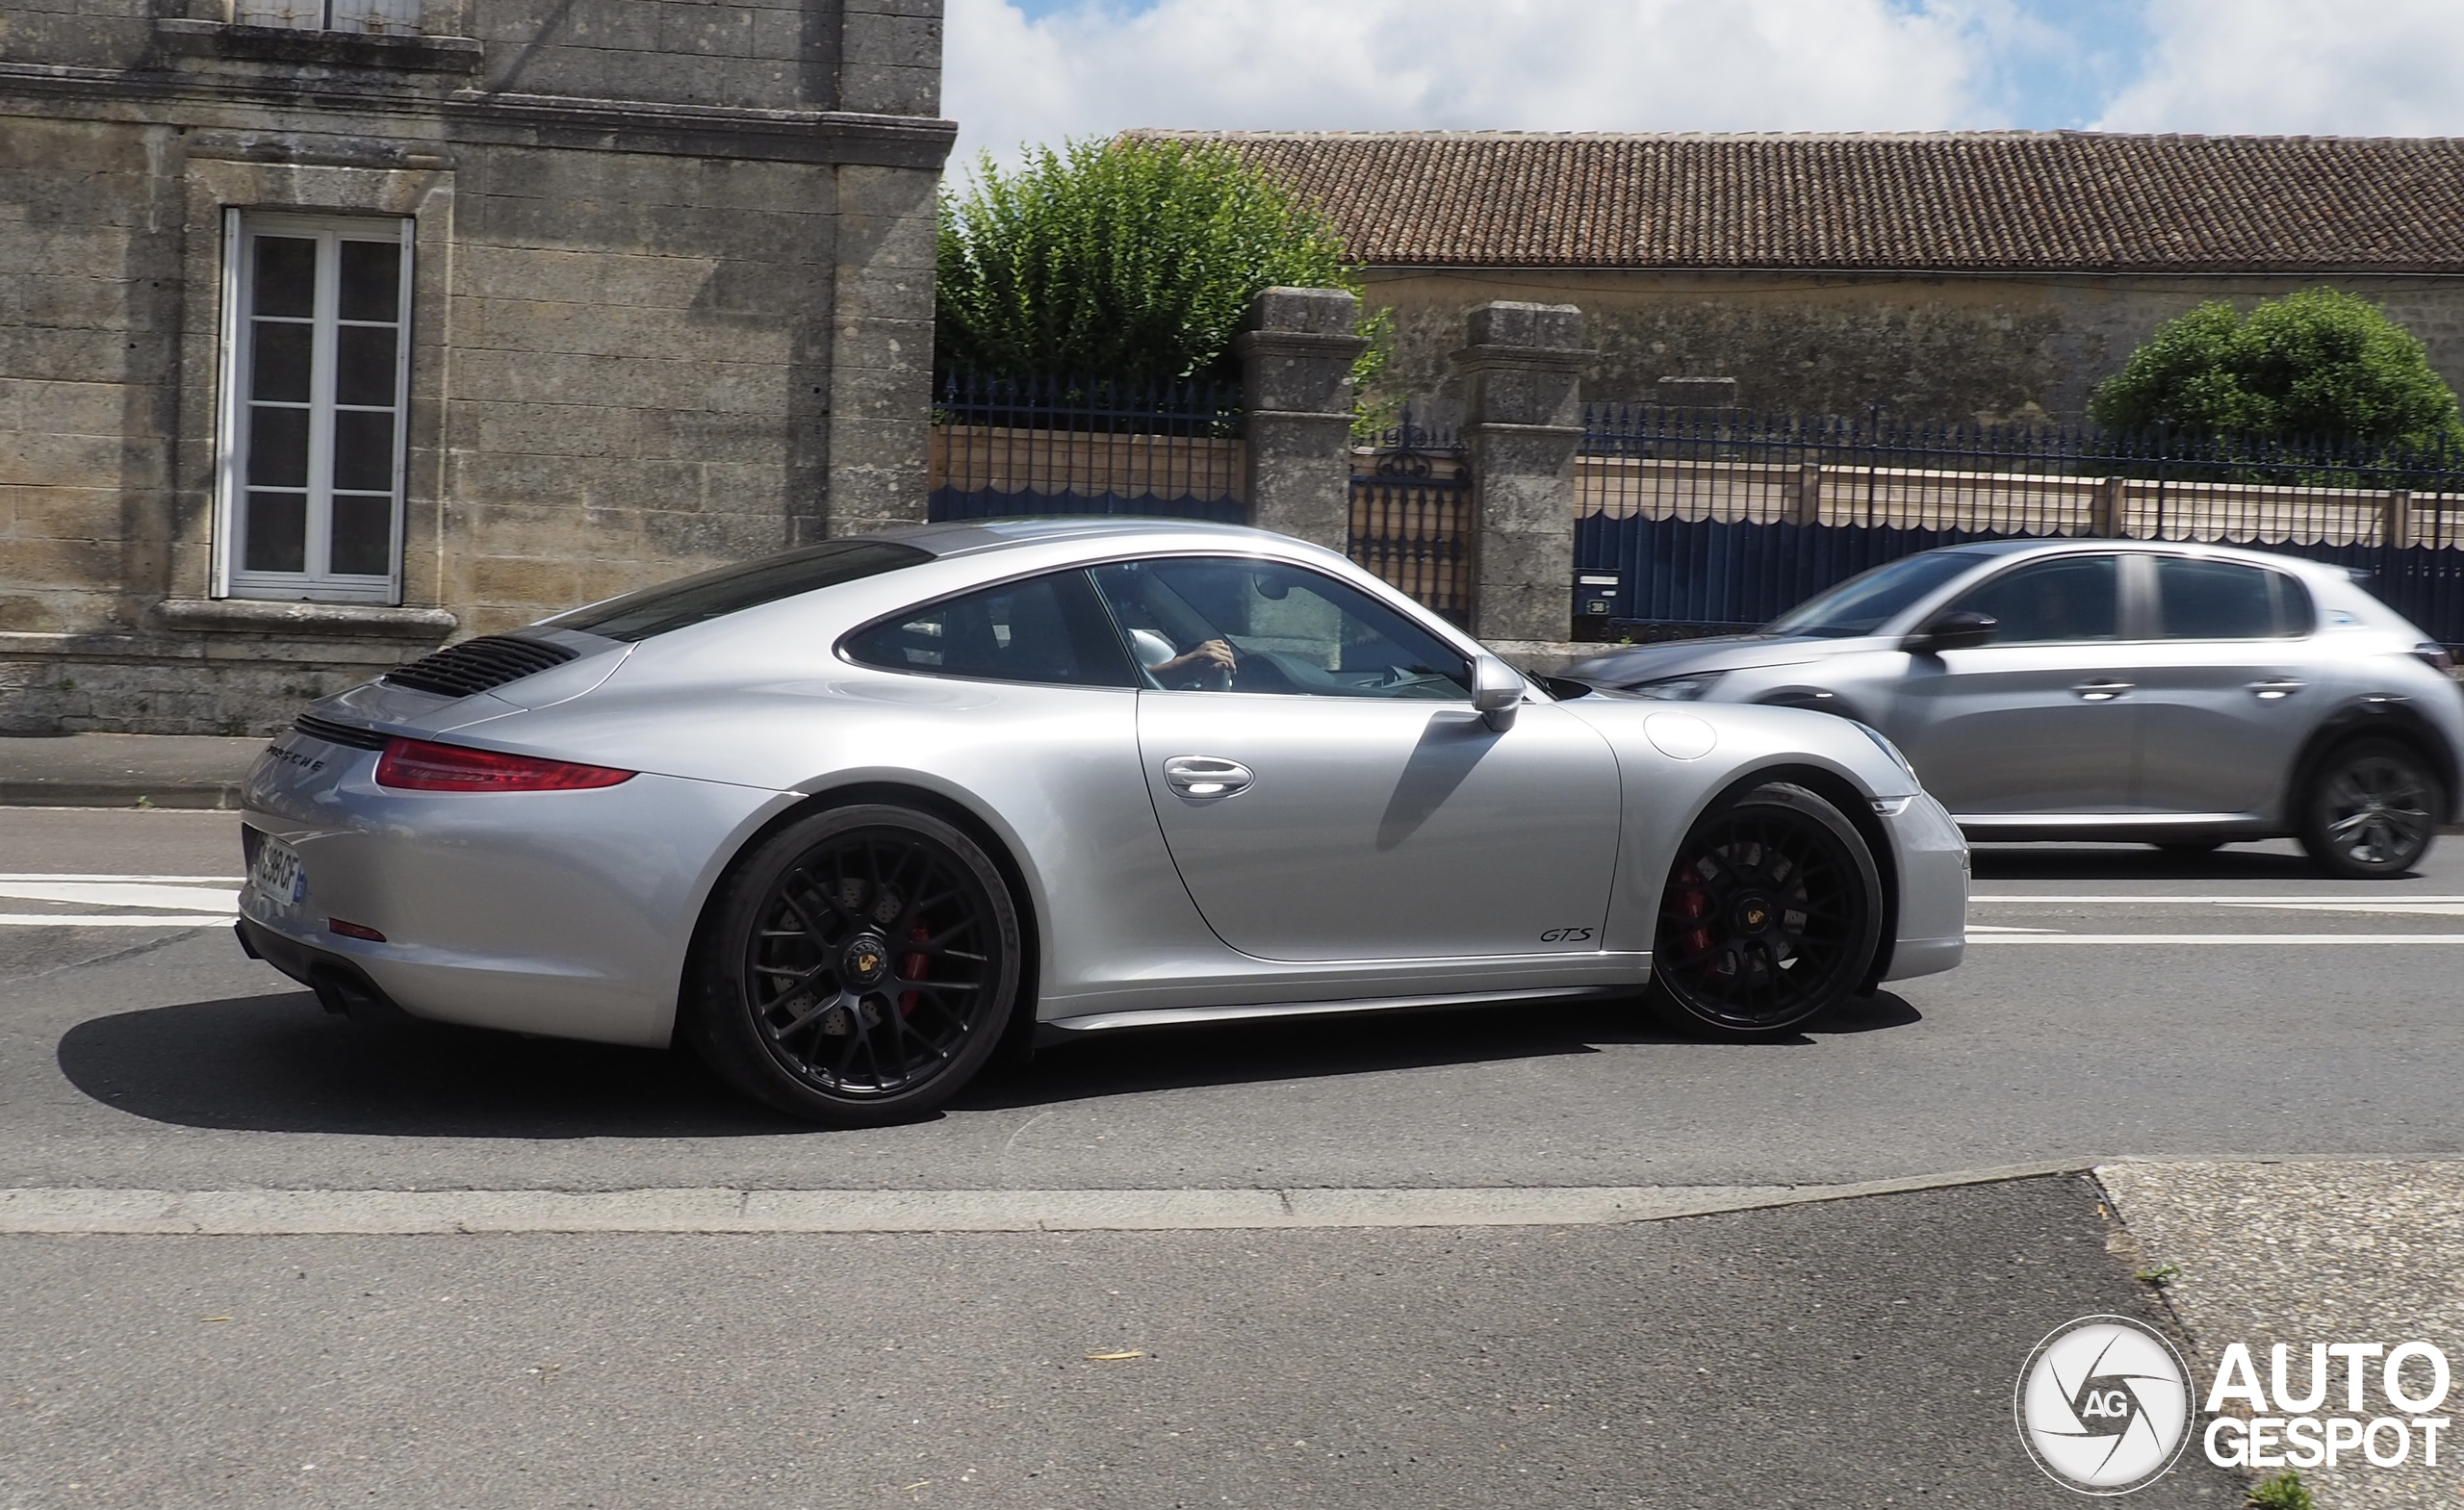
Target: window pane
1280,628
731,589
286,276
2213,601
279,368
396,17
362,535
371,280
363,450
1049,629
364,364
278,448
2072,598
277,532
307,15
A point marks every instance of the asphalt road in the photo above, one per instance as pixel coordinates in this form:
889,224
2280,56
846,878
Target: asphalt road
1850,1352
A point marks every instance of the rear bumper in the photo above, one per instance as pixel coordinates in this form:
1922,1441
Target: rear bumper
340,985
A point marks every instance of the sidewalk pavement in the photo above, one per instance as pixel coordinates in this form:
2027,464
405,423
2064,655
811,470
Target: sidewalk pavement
125,770
2302,1253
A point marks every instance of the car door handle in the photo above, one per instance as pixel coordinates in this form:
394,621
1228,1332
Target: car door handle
2270,688
1206,775
2102,691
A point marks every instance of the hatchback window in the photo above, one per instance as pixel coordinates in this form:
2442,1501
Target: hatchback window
2069,597
2227,601
1229,624
733,589
1044,629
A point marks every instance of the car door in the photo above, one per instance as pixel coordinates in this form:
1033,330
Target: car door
2038,720
1325,788
2226,692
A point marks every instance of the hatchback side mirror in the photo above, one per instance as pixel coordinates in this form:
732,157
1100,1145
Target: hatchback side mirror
1955,630
1496,691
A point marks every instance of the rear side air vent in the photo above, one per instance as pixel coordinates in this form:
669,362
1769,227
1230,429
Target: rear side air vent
350,736
474,666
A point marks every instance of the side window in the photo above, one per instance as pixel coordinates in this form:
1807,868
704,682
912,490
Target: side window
2227,601
1229,624
1044,629
2072,597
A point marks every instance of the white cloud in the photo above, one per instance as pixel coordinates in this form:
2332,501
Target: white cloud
2386,68
1094,68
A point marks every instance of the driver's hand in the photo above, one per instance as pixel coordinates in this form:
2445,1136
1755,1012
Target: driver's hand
1211,653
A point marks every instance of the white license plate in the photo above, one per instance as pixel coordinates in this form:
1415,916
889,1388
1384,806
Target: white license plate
278,874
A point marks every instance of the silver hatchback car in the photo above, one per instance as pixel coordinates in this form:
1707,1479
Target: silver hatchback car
2182,695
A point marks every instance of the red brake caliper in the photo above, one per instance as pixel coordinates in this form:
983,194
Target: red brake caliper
913,968
1692,904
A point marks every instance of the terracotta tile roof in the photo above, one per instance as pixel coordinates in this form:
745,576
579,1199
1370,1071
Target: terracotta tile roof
1980,201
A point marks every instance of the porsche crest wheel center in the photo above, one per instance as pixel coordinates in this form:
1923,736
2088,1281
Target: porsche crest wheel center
865,962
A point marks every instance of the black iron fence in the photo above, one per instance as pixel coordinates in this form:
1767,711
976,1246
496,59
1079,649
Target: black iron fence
1062,445
1411,506
1710,519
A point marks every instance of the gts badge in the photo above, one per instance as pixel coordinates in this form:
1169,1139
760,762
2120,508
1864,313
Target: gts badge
1565,936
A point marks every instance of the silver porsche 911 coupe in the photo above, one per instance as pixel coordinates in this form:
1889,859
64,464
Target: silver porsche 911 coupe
849,819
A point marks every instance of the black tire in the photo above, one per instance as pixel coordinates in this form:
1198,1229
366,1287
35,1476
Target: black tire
2371,810
857,969
1771,916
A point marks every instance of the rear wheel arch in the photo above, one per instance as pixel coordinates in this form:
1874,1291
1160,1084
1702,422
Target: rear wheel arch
1018,1036
2370,718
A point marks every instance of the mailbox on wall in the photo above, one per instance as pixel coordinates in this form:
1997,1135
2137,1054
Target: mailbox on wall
1595,594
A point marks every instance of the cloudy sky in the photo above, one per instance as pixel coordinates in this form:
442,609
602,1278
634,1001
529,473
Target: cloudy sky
1042,70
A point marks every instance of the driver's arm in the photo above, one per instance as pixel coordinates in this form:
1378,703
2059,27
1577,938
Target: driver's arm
1211,653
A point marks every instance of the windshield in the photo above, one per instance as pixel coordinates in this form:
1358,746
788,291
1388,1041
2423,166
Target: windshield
731,589
1865,602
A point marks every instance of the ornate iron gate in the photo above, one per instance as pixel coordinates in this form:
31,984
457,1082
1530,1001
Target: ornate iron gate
1411,516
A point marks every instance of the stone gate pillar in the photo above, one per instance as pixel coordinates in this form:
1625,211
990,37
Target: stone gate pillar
1522,419
1297,351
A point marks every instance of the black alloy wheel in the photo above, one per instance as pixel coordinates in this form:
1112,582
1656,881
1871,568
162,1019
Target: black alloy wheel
859,968
2371,810
1772,913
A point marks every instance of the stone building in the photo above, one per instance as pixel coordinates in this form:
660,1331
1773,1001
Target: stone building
330,329
1992,275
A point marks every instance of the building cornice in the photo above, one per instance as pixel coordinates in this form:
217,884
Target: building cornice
483,116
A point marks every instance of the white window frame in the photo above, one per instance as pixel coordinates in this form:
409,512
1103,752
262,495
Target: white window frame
231,576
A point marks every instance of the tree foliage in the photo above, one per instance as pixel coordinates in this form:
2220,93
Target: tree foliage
1127,259
2316,365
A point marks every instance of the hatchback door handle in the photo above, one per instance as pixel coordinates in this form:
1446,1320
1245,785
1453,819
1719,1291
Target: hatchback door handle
2270,688
1206,775
2102,691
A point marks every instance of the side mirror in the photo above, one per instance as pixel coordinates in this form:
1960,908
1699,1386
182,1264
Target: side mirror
1496,691
1953,629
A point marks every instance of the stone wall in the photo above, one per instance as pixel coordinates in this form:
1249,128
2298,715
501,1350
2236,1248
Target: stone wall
672,306
1983,349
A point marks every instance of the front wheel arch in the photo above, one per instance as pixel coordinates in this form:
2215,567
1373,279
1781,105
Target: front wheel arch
1858,809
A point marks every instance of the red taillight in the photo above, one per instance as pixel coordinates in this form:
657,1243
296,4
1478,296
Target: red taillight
415,765
335,925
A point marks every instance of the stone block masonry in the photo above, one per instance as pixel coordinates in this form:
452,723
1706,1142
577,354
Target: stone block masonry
669,306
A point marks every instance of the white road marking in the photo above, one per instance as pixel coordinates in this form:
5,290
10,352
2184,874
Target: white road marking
2240,900
8,877
2213,938
97,893
1988,928
114,919
2423,909
378,1212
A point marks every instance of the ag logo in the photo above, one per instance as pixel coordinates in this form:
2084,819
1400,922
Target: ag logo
2104,1405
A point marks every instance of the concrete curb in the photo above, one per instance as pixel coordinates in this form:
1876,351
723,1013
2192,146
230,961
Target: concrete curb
705,1210
220,795
192,771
